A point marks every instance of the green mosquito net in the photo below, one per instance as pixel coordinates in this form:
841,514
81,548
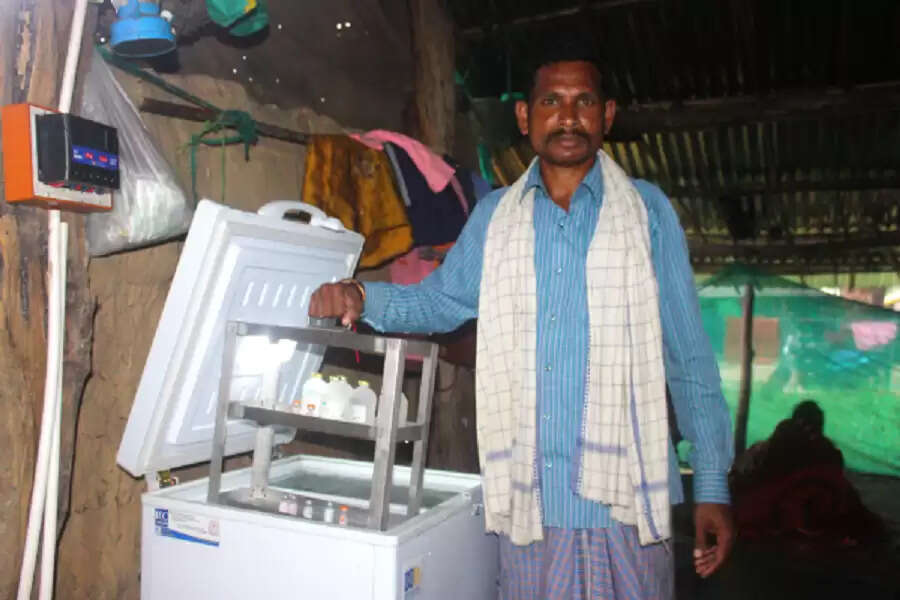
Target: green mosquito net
807,344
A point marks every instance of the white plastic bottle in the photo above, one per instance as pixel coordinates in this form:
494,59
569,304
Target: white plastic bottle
403,413
362,403
314,392
338,403
307,510
328,513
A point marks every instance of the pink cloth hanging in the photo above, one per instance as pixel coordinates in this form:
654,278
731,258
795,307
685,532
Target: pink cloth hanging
871,334
433,168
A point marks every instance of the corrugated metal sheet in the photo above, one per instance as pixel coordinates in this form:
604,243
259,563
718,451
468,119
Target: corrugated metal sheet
802,143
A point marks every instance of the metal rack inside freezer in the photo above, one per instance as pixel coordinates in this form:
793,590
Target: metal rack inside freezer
388,428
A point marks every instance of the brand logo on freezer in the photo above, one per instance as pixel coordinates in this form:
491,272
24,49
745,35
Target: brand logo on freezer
162,517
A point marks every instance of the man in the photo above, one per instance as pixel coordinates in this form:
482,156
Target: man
582,284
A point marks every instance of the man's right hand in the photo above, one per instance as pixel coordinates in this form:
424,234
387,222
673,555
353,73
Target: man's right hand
337,300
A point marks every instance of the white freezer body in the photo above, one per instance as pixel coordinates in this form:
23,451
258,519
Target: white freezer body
262,269
441,554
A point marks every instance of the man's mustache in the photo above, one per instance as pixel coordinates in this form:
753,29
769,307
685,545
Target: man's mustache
561,132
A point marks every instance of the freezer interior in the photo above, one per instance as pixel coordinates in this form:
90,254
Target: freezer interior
348,483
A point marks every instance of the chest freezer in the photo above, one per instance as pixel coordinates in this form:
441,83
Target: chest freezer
233,348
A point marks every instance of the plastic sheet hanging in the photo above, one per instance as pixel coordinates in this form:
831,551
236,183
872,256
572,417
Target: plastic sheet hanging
150,206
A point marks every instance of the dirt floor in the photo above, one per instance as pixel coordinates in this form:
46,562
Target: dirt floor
777,570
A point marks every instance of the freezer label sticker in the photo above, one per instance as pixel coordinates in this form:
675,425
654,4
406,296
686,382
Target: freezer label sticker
412,582
187,527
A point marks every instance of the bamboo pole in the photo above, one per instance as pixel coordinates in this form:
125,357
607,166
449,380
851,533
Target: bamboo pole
195,113
743,408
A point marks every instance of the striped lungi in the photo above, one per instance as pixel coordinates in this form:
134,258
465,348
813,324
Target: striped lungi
586,564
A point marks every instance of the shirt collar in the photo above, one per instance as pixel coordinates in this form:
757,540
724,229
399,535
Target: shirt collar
593,180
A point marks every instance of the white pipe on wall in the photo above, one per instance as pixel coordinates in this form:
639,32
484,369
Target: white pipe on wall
51,504
72,54
56,264
48,542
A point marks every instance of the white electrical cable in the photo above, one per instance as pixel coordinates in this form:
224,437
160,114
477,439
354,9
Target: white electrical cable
48,542
68,83
56,264
51,504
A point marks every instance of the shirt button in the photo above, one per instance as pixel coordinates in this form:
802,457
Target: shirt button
562,225
546,417
553,317
548,464
548,367
558,270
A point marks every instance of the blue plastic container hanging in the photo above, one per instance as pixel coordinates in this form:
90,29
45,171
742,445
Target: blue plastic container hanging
140,31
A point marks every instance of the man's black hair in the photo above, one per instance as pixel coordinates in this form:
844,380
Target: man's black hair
572,48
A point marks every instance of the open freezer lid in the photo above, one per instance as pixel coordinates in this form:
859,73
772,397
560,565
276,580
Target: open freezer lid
235,265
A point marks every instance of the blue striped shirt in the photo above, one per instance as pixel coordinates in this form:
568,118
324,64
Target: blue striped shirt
449,297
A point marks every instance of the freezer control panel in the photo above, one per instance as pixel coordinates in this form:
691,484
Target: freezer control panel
77,154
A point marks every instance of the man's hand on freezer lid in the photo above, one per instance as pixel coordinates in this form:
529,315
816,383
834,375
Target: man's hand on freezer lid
344,299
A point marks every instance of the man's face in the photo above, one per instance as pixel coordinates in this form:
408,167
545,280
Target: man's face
566,118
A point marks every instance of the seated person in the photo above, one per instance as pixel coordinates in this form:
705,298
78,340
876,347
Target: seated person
793,484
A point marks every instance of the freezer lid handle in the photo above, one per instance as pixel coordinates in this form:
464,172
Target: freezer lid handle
291,209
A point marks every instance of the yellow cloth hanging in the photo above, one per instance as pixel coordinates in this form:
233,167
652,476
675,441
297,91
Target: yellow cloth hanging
355,184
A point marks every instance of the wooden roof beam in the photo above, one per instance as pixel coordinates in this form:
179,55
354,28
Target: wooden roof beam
480,30
760,188
823,250
711,113
796,268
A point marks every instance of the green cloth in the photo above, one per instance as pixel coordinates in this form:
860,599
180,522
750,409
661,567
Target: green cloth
253,22
227,12
241,17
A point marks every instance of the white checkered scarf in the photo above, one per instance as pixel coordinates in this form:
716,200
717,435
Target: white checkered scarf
622,456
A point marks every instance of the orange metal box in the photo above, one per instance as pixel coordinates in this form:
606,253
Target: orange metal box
20,166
